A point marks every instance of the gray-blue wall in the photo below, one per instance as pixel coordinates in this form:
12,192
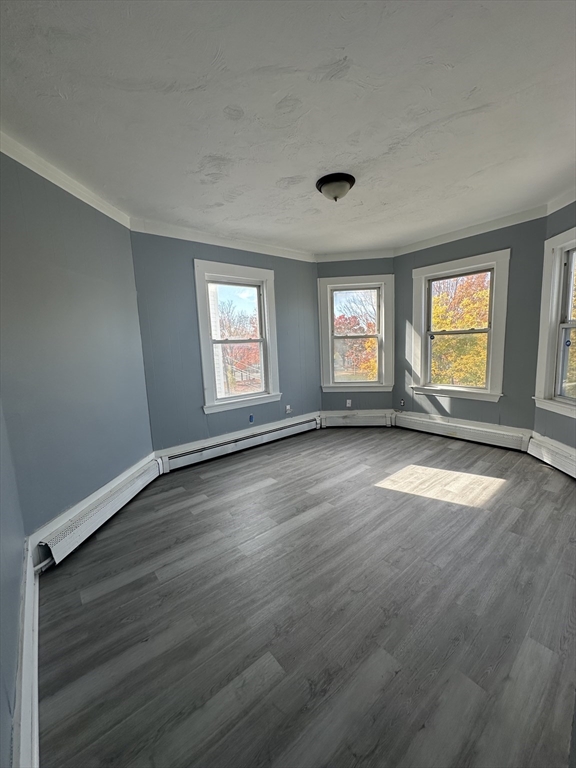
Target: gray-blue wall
11,572
336,401
561,220
555,426
72,373
164,269
516,407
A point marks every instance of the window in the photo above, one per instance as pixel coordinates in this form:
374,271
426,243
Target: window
459,329
356,330
556,371
566,373
459,326
237,335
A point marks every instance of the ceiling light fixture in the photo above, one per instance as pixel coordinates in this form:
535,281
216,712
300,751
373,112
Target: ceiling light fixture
335,185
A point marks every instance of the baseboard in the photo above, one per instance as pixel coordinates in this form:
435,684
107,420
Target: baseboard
25,739
68,531
221,445
558,455
350,418
26,728
476,431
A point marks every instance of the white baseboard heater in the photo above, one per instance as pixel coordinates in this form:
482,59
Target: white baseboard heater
479,432
75,530
210,450
558,455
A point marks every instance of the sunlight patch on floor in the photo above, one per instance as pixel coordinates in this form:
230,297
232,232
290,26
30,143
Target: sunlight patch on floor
444,485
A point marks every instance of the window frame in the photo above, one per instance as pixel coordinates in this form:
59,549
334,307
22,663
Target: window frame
552,307
385,285
498,263
207,272
566,322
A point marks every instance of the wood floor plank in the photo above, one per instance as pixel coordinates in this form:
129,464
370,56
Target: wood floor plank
347,708
443,736
346,597
515,721
178,745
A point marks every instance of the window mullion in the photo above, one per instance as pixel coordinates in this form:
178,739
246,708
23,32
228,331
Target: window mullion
458,332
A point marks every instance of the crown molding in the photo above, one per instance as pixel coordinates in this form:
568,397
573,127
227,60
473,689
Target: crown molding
561,201
17,151
383,253
477,229
34,162
150,227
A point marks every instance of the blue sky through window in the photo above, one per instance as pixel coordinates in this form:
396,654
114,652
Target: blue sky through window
245,297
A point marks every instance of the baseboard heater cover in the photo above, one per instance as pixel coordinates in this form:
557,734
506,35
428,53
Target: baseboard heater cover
558,455
502,437
366,418
67,537
199,454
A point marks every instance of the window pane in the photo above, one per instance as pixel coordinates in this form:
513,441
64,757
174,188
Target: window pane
238,369
234,311
572,287
568,363
355,312
459,360
355,360
460,303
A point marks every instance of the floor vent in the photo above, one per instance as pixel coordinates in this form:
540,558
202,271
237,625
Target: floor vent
65,539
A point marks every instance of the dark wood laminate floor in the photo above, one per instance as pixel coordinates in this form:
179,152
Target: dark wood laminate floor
346,597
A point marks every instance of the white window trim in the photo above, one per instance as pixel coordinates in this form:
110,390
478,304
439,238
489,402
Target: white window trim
497,261
550,309
386,285
206,271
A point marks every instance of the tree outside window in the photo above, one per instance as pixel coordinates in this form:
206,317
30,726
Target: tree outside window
459,329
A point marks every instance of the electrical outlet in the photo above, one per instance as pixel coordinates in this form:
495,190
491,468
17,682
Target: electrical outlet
288,409
251,418
348,403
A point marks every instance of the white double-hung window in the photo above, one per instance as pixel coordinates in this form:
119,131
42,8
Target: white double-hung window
459,323
357,333
236,318
566,373
556,371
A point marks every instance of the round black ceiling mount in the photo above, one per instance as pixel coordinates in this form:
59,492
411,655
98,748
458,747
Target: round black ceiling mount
335,185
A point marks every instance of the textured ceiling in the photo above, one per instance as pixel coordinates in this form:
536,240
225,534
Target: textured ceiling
221,115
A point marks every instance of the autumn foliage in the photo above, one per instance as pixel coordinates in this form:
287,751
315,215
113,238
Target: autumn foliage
355,316
459,304
242,362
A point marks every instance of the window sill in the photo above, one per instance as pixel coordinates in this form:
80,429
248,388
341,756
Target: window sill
357,388
556,406
242,402
467,394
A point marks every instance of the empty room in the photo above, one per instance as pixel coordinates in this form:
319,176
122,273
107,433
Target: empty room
288,371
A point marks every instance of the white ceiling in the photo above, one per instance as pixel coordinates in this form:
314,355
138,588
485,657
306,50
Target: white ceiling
221,115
